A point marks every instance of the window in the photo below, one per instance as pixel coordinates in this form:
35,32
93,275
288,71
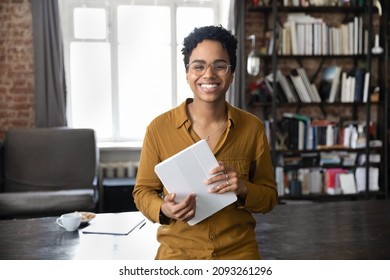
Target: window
123,61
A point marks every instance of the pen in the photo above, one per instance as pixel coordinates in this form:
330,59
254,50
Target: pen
142,225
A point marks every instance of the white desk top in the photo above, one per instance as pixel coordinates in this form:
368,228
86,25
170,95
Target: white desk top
139,244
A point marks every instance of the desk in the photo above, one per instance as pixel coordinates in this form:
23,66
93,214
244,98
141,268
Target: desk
329,230
43,239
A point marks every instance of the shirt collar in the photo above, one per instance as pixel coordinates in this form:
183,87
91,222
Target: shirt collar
181,113
182,117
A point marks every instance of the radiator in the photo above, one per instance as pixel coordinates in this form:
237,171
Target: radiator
118,169
114,170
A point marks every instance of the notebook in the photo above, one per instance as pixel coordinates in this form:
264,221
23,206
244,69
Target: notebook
115,223
185,173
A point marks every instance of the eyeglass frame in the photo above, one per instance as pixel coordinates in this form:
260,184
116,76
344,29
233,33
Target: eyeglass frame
207,67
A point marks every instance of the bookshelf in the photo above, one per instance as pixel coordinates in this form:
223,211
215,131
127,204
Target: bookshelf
385,42
326,134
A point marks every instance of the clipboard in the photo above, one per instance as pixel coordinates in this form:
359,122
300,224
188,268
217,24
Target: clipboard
185,173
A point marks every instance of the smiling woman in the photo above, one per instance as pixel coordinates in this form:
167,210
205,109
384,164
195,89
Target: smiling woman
238,141
131,73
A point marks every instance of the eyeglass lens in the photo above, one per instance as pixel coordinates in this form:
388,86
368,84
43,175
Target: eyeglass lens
199,68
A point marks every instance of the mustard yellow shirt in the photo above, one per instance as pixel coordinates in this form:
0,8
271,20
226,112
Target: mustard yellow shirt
229,233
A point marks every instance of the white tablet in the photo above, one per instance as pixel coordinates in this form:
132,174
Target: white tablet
186,172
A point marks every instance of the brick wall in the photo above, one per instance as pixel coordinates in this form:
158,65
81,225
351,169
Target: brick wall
16,65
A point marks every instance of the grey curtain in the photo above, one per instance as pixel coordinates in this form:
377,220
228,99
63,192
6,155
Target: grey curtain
236,95
50,87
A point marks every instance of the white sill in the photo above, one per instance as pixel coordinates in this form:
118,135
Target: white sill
125,146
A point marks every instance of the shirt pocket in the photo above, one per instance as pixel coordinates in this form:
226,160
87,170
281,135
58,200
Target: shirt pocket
241,166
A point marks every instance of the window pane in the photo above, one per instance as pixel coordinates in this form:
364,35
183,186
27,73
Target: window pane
90,74
190,17
183,89
144,87
144,67
187,19
144,24
89,23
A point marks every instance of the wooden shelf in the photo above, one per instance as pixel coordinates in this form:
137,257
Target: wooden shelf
313,9
266,104
360,56
328,197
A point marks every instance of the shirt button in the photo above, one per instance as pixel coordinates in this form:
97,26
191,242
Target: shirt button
211,236
214,254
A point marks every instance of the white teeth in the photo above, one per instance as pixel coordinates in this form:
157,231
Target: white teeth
209,85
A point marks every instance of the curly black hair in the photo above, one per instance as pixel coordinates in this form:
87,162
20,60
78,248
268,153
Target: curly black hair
216,33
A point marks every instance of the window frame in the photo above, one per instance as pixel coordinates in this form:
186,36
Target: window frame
67,19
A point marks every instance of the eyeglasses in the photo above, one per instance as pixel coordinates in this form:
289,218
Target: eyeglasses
220,68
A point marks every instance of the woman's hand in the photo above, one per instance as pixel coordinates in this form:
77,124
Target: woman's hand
183,211
229,181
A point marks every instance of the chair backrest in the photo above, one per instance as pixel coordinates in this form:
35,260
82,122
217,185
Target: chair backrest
47,159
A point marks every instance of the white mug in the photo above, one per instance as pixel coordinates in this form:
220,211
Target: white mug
70,221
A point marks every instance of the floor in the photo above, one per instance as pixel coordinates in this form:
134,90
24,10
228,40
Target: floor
326,230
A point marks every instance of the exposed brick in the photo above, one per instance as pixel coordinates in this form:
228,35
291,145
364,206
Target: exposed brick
16,65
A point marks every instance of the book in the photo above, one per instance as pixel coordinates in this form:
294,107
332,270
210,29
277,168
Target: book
360,35
294,131
329,84
335,85
344,39
344,87
186,172
359,85
279,178
286,87
325,39
304,176
286,39
300,87
294,38
300,37
316,182
347,183
305,131
332,180
302,29
366,86
279,88
321,128
373,183
310,88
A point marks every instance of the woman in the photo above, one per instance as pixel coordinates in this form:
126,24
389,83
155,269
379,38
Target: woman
238,141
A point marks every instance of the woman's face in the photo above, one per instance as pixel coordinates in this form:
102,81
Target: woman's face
213,83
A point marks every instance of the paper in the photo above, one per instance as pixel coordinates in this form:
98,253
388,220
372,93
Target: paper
186,172
115,223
